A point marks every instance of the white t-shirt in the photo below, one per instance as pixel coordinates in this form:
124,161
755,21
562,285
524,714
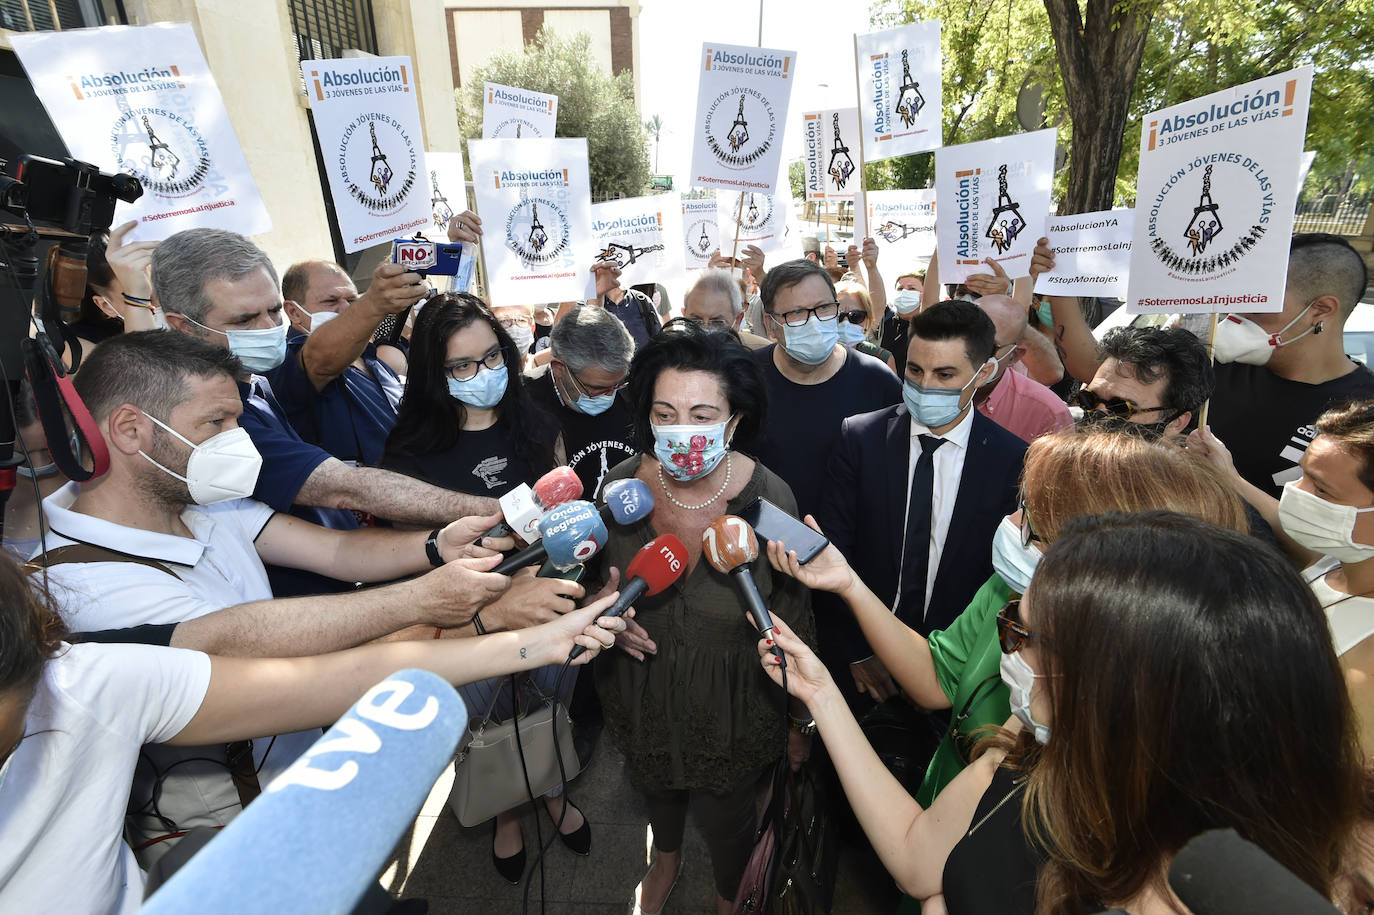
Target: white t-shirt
63,799
1351,618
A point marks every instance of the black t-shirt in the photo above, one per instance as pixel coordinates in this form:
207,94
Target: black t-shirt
892,336
483,463
803,421
1266,421
593,444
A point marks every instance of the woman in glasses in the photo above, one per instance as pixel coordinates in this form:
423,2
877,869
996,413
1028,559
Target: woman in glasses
1167,677
858,321
1066,475
467,423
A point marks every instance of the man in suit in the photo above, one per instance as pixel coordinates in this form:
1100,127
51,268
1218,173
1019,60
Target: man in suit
917,490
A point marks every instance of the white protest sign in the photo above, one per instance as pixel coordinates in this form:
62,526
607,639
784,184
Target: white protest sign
832,153
142,100
1217,182
509,113
447,191
1307,159
369,131
762,221
700,231
741,112
534,197
899,90
640,235
994,197
903,225
1092,254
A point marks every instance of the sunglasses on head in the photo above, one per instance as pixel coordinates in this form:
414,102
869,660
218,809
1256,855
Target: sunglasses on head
1010,632
1113,406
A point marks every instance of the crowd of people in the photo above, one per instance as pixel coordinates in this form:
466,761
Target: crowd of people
1102,625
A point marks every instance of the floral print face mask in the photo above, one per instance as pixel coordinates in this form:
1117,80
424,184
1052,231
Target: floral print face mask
690,452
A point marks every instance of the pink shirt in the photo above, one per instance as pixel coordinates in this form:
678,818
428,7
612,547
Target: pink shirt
1025,407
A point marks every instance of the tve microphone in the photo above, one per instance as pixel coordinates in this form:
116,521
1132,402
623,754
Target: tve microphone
729,545
658,564
627,501
1219,873
321,832
578,529
524,506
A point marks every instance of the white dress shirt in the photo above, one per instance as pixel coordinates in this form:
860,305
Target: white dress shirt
949,470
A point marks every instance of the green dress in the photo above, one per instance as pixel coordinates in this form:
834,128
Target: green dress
701,714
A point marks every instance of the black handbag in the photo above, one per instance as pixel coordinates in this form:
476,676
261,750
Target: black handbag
792,868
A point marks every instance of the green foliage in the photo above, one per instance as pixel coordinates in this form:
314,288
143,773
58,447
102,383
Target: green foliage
590,104
994,47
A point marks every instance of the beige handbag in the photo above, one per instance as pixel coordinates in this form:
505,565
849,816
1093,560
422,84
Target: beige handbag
489,777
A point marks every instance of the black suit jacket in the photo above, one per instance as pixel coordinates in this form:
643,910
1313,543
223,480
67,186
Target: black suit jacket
865,507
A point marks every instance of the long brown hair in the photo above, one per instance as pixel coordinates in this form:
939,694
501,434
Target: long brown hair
31,631
1192,686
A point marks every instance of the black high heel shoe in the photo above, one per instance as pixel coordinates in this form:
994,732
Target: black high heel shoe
579,841
512,868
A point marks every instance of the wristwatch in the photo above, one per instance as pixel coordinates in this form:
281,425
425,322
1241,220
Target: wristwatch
432,548
805,728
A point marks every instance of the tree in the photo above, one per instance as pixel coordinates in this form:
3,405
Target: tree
655,126
590,104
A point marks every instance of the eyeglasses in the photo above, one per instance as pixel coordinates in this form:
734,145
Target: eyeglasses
1028,534
520,321
826,311
1010,632
713,324
589,392
467,369
1116,406
856,317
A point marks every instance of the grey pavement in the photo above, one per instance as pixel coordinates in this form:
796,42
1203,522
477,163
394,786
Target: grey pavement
450,866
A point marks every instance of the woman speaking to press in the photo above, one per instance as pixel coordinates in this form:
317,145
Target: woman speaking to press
1167,677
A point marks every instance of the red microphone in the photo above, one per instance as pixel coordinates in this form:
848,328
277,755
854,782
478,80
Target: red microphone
730,545
562,484
658,564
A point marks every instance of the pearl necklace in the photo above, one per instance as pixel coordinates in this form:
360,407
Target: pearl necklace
663,484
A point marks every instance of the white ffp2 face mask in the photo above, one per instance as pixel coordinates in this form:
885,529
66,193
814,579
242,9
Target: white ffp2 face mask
1241,340
1322,526
224,466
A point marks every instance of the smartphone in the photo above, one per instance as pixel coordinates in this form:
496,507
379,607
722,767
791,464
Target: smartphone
772,523
547,570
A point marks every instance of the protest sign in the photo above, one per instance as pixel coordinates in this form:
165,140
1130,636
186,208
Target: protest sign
700,231
899,90
369,131
994,196
903,225
741,112
534,197
509,113
447,191
830,169
641,235
1092,254
142,100
1217,182
762,221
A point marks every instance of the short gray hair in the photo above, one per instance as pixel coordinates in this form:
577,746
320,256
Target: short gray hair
719,281
588,336
185,263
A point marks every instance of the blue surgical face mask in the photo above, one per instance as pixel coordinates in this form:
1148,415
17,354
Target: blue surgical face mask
483,390
933,407
907,302
1045,314
259,350
594,405
690,452
851,335
813,342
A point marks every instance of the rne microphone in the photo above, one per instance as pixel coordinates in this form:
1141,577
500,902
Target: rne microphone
730,546
658,564
524,506
320,833
1219,873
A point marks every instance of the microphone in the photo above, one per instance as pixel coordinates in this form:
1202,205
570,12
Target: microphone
658,564
523,506
578,532
1219,873
730,545
627,501
320,833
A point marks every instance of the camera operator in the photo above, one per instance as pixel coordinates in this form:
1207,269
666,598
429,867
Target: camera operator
168,538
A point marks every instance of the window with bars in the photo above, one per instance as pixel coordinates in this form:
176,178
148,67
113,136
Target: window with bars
324,28
54,15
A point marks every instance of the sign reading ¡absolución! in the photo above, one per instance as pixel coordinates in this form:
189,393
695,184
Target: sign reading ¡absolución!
640,236
509,113
1092,254
994,197
830,139
142,100
903,225
370,139
741,111
1214,196
899,90
700,231
534,197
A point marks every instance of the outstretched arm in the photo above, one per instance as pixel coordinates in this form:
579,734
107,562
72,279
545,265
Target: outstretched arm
386,494
1072,336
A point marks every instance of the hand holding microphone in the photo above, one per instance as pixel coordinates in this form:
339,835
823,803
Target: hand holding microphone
524,506
658,564
577,537
730,545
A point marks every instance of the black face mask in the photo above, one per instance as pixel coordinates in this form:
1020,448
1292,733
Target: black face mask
1097,421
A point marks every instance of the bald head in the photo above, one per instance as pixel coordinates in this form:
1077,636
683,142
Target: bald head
1007,316
315,286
